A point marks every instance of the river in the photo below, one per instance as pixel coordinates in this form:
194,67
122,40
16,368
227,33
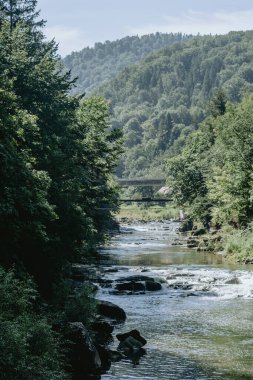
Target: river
199,326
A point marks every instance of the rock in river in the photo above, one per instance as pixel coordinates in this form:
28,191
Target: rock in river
110,310
134,334
131,285
83,355
137,283
131,344
152,286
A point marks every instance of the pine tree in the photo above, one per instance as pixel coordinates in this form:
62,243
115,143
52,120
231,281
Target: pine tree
217,104
15,11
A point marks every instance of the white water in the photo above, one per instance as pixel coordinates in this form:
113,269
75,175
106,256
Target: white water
199,326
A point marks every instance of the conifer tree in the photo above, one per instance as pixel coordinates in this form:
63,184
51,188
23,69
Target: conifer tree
15,11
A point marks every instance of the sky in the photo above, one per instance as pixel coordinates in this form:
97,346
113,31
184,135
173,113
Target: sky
77,24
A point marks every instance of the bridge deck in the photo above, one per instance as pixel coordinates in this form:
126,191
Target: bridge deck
147,200
141,182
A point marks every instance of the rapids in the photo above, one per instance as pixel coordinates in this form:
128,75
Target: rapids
199,326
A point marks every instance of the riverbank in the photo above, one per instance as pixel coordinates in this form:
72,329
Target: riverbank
234,245
147,213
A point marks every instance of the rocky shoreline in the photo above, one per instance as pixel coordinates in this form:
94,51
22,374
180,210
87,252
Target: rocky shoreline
88,349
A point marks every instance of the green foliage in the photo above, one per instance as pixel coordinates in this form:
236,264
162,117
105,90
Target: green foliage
80,306
15,11
217,104
29,348
57,192
230,187
213,174
238,244
57,157
189,171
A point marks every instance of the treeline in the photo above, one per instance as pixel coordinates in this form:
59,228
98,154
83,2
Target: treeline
160,101
93,66
57,192
212,177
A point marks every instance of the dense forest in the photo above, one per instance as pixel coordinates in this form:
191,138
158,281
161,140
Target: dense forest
57,193
93,66
161,100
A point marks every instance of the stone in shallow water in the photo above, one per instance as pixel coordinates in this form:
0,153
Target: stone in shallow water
102,327
135,278
110,310
180,285
152,286
134,334
131,286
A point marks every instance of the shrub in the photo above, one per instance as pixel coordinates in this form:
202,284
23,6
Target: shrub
29,348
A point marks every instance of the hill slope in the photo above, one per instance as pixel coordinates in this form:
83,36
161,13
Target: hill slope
93,66
159,101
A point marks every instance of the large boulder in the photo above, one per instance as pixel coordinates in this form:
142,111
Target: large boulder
110,310
84,358
152,286
105,358
135,278
137,283
102,327
131,345
130,286
134,334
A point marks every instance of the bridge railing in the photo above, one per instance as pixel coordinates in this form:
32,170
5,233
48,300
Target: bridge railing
147,200
123,182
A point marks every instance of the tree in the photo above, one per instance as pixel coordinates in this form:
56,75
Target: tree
189,173
64,159
230,187
217,104
24,206
14,11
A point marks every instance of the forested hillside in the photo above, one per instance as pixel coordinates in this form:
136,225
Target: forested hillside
93,66
162,99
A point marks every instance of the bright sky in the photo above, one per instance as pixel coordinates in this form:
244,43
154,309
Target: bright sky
76,24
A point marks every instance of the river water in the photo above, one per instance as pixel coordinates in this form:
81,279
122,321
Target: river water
199,326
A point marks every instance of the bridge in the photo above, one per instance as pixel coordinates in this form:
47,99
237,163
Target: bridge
147,200
144,182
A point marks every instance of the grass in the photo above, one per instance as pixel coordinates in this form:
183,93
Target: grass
238,245
148,213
